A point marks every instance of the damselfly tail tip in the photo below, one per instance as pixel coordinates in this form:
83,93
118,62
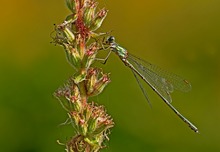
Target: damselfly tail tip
194,128
197,131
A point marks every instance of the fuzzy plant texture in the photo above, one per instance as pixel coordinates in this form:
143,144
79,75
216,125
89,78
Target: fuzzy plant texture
77,35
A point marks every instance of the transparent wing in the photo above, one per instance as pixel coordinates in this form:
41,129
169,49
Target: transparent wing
165,82
142,88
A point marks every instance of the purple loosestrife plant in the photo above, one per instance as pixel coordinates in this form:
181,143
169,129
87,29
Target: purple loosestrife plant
90,121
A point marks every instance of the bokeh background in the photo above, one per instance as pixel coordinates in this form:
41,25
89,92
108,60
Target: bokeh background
182,36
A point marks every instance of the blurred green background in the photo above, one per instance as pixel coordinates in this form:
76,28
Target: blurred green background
182,36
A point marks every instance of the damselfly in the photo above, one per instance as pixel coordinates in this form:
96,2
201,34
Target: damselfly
161,81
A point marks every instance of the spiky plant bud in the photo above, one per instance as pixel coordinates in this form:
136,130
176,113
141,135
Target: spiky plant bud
91,53
89,13
100,16
97,86
93,129
73,56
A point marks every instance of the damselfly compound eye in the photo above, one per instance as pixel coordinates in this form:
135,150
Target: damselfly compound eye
111,39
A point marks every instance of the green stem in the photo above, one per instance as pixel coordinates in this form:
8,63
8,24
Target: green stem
83,92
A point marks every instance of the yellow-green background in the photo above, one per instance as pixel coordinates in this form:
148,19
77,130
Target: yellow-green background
182,36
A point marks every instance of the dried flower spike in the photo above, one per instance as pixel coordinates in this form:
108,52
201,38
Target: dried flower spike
90,121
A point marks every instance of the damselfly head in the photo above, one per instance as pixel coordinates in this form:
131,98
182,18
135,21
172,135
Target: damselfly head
110,39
